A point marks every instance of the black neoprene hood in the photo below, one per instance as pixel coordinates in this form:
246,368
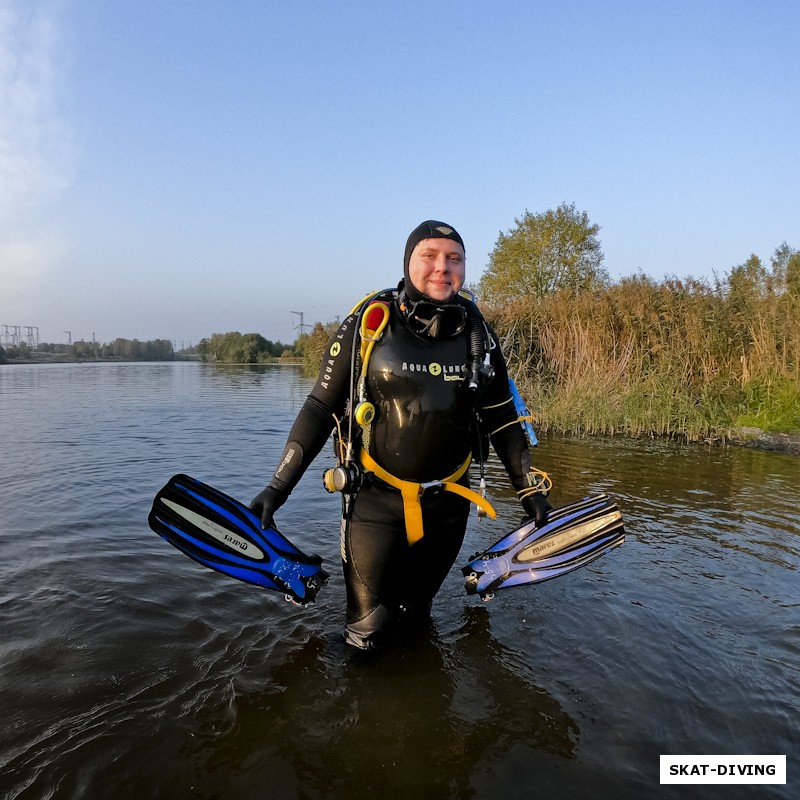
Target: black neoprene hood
430,229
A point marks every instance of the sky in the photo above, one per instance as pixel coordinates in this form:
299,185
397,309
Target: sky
171,169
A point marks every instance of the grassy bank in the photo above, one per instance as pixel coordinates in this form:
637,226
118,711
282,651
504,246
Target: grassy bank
687,359
679,358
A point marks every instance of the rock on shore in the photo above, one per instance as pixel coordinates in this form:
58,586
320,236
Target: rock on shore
761,440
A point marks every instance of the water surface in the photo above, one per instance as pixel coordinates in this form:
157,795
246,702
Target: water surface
128,671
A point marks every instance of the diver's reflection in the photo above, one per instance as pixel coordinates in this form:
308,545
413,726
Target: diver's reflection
423,717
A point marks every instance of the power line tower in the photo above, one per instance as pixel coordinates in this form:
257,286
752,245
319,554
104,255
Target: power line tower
302,326
32,336
13,336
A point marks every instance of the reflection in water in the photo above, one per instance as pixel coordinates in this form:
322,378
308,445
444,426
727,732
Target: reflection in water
429,718
126,670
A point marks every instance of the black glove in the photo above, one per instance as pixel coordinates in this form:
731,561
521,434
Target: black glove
266,503
536,507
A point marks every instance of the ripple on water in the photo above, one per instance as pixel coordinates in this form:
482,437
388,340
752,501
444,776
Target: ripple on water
125,666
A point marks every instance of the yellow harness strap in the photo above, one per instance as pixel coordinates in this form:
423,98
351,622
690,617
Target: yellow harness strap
412,492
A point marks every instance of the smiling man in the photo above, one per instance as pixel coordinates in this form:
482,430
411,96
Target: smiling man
436,267
407,382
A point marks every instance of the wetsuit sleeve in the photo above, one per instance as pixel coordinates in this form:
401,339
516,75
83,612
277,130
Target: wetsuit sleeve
314,423
498,417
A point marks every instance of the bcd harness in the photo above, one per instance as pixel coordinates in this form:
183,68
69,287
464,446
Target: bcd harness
412,492
374,316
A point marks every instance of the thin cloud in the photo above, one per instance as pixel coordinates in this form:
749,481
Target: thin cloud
23,263
35,144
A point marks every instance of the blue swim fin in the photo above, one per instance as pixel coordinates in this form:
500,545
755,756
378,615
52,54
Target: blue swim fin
221,533
573,536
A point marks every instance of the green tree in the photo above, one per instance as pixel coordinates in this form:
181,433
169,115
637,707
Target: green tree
314,346
235,348
748,282
542,254
793,276
779,263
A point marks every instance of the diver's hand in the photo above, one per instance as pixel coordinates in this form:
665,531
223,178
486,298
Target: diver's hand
536,507
266,503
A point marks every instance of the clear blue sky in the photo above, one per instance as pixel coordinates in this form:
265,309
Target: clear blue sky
177,168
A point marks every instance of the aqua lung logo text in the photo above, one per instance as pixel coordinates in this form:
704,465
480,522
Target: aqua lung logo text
448,372
333,351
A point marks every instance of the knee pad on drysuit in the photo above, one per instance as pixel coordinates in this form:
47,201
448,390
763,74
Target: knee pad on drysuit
369,633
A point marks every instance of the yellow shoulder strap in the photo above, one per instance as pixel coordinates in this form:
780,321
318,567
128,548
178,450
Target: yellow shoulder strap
362,301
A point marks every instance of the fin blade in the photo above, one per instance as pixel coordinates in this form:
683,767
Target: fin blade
219,532
574,536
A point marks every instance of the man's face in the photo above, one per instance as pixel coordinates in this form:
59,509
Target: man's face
436,268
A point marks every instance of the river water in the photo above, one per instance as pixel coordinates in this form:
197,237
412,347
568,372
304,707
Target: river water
129,671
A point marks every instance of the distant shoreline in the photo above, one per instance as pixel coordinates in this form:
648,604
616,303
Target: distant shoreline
753,438
58,358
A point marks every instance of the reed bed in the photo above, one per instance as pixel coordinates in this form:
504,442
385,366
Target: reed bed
677,358
687,359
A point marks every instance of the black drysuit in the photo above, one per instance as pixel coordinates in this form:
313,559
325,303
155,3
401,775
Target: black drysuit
423,430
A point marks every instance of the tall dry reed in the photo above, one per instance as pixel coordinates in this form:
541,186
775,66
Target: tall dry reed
675,358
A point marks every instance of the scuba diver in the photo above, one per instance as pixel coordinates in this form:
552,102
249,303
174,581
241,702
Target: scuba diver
412,384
